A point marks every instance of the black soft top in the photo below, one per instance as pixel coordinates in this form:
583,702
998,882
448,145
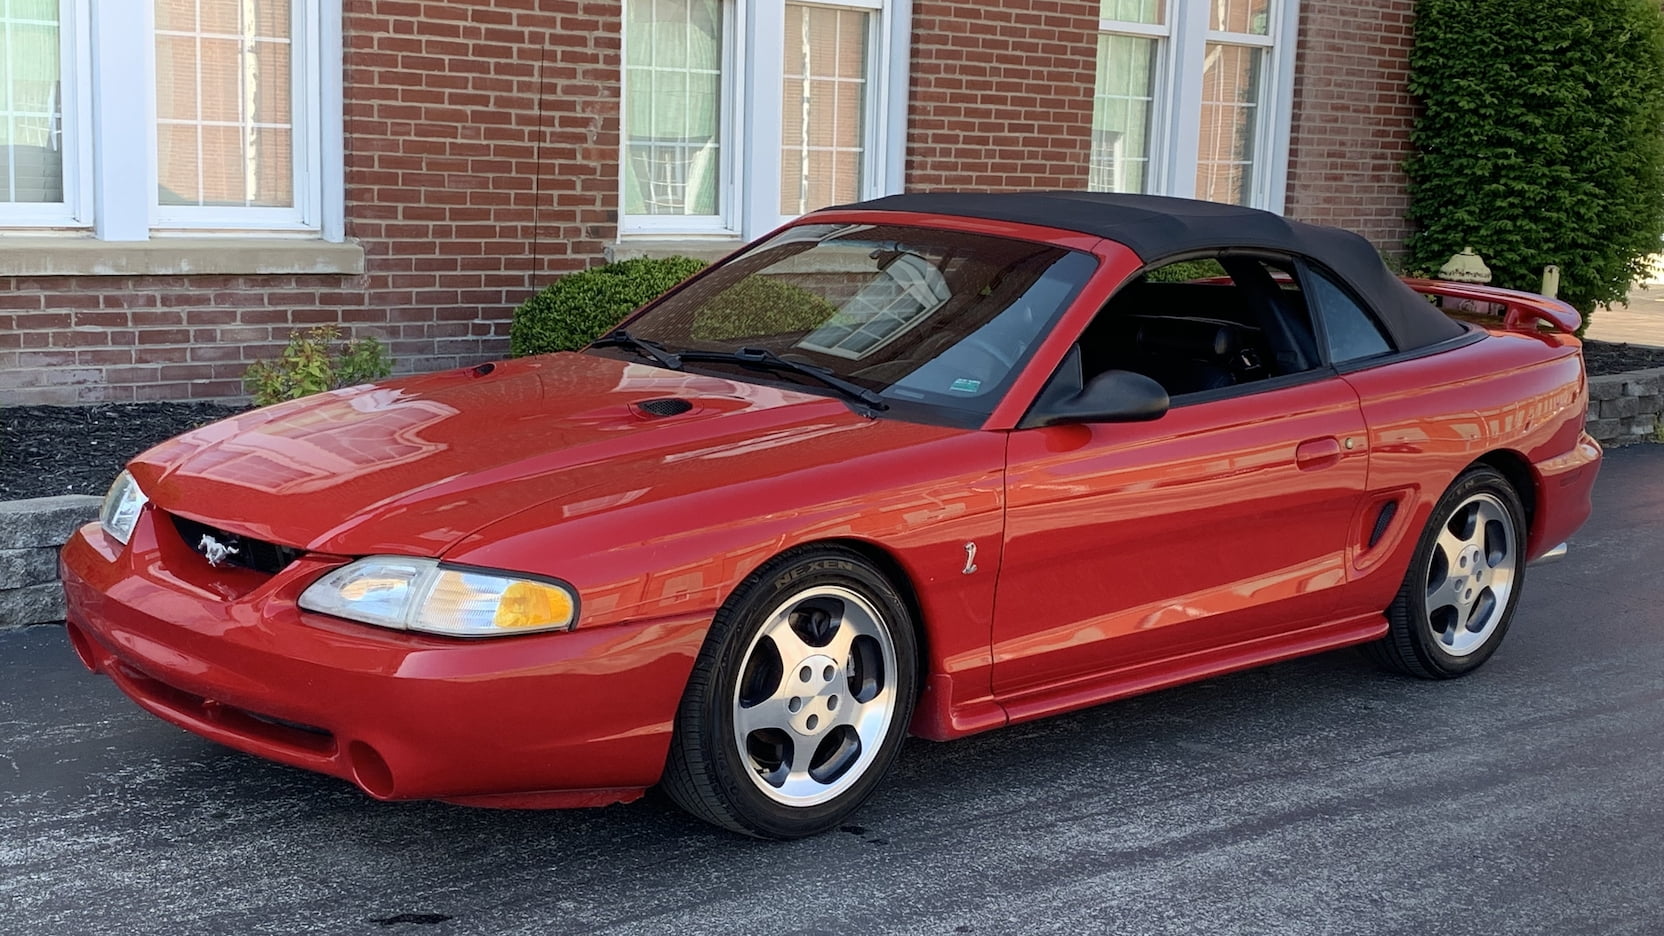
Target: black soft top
1155,228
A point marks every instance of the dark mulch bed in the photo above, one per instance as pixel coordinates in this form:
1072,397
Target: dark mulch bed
1604,357
47,450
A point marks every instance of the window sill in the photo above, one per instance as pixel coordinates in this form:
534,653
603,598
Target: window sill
181,256
707,249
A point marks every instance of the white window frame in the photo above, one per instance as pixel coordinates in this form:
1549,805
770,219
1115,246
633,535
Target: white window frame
74,128
305,95
1173,166
753,77
1155,167
730,132
114,185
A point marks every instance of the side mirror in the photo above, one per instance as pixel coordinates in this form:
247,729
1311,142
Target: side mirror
1112,396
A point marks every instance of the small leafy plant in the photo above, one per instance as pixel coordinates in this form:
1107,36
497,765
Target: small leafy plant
311,363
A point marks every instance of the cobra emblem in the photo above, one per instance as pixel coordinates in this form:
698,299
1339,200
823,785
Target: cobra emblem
970,558
215,551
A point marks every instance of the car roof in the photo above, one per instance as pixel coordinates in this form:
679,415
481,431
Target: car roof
1156,227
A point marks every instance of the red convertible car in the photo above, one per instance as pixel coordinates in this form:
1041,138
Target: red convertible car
932,463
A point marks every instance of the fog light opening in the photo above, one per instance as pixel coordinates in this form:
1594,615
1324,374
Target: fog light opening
370,771
82,645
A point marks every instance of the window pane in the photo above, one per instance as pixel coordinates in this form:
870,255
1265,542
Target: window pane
1230,120
823,126
1252,17
224,108
1150,12
1351,332
1122,103
31,124
672,112
941,318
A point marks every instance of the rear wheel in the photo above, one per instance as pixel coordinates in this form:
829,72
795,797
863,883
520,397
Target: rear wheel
1459,595
800,698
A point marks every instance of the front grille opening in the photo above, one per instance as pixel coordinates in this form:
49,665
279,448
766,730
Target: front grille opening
306,739
250,553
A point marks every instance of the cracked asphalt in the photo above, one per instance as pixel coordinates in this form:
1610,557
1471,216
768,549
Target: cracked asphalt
1314,797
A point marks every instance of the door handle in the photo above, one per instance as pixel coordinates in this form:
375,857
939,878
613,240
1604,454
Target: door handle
1313,454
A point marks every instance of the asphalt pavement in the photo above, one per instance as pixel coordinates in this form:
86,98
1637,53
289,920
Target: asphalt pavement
1314,797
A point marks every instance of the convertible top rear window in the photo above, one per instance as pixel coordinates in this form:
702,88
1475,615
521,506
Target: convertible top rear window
938,323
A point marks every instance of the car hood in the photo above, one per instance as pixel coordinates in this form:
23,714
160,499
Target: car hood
410,467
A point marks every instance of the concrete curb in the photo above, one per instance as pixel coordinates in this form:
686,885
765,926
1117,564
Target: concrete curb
31,533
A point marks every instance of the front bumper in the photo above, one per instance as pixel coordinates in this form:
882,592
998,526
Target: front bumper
577,718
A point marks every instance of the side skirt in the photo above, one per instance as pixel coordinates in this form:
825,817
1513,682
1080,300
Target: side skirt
1118,684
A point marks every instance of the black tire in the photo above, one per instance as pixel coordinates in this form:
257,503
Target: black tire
707,773
1420,639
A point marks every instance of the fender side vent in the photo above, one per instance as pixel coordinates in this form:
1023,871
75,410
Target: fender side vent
1382,521
662,407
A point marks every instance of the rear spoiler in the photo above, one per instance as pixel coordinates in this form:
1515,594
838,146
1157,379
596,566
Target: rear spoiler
1521,311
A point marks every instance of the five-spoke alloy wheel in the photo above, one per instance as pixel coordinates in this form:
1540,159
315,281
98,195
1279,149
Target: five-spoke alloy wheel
799,700
1462,586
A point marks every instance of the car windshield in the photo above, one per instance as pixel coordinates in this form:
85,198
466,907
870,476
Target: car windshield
938,323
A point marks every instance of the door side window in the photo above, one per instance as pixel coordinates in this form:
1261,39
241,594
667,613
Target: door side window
1204,327
1348,329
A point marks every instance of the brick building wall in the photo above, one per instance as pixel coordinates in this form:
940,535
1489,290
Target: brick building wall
481,161
1352,118
1001,94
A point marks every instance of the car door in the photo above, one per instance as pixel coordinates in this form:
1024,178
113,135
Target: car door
1225,522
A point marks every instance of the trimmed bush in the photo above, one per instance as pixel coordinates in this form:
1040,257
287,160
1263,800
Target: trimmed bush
1542,140
759,305
581,307
1186,271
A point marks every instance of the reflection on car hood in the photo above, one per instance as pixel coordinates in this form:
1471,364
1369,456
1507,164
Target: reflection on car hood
412,466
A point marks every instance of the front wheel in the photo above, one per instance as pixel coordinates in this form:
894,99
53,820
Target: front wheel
800,698
1459,595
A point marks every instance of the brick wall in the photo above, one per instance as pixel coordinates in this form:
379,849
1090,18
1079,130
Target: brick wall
1352,118
481,161
1001,94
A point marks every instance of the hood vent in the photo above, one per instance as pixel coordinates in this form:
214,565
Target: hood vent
662,407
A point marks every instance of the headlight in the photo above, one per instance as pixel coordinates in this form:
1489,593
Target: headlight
425,595
121,507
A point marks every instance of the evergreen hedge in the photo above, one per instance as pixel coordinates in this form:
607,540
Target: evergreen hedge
581,307
1542,140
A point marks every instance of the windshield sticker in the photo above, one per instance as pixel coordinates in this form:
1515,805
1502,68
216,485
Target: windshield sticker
966,385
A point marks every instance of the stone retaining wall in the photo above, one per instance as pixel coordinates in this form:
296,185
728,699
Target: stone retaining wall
31,531
1625,408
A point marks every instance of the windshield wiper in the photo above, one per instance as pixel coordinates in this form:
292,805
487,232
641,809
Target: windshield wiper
762,357
652,349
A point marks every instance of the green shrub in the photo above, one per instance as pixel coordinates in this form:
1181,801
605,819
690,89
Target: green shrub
581,307
1186,271
1542,140
760,305
309,365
